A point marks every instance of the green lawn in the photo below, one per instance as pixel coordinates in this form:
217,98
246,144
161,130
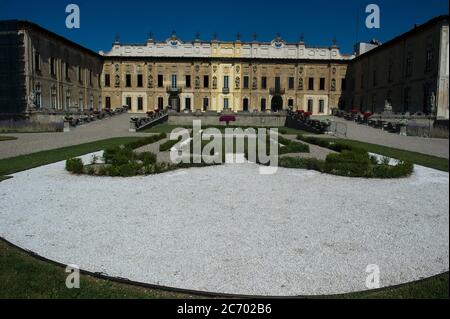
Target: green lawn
413,157
7,138
22,163
23,276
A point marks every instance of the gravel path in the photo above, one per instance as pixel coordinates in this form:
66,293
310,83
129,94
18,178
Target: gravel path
314,150
28,143
228,229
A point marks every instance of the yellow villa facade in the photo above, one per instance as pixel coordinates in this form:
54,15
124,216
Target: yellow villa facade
217,76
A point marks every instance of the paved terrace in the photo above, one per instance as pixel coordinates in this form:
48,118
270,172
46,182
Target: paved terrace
119,126
364,133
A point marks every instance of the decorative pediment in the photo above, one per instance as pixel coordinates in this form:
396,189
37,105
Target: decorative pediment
173,41
278,42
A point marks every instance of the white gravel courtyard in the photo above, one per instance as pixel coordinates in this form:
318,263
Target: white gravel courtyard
227,229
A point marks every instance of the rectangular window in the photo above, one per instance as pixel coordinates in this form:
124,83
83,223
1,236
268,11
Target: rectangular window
52,66
409,65
322,84
206,81
140,103
246,82
225,82
174,81
188,103
277,83
225,104
291,83
406,98
263,105
343,84
390,69
429,60
108,103
128,80
37,62
188,81
107,80
80,75
128,102
375,80
264,82
321,106
140,81
160,80
205,104
66,71
310,106
311,84
90,78
160,103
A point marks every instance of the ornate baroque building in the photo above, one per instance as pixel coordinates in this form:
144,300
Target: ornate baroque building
41,71
214,76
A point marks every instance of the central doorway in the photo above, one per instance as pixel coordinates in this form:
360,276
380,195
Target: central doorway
174,103
277,103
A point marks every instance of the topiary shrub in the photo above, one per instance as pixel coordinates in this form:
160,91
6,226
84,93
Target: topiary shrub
128,170
146,141
349,163
167,145
290,146
118,156
402,169
302,163
75,165
147,158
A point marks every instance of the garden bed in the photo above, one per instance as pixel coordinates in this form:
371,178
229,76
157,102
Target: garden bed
350,161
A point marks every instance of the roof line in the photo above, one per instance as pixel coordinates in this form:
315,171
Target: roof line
18,24
417,29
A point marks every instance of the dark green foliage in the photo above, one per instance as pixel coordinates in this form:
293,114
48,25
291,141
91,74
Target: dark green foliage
290,147
353,161
402,169
146,141
147,158
129,169
90,170
167,145
349,163
75,165
302,163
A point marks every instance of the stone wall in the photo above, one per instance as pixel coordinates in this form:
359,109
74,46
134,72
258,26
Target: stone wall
242,119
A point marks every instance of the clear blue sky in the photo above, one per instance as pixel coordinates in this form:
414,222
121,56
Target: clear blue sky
319,20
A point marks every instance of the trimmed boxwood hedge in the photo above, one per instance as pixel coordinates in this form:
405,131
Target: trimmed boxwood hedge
349,161
167,145
290,147
75,166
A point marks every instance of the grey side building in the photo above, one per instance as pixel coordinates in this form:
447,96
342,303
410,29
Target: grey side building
42,71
